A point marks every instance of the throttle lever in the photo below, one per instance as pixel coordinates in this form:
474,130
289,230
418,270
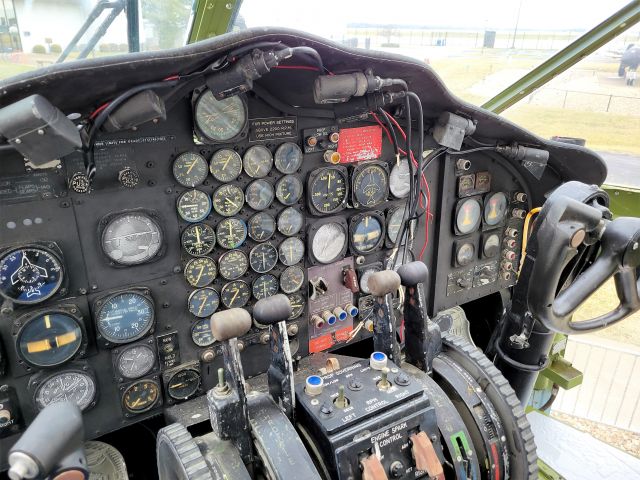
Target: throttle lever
382,284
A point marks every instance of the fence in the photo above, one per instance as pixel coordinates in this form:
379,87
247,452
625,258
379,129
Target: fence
586,101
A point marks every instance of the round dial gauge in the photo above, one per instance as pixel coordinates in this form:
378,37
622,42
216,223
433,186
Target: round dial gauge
136,361
190,169
491,245
261,227
288,158
257,161
289,190
395,223
495,206
132,238
198,239
203,302
367,234
125,317
228,200
400,179
201,333
364,279
264,286
297,305
263,257
465,254
468,216
141,396
49,339
183,384
328,190
329,242
231,233
70,386
30,275
400,259
194,206
220,120
225,165
259,194
200,272
291,251
291,279
235,294
233,264
290,221
371,186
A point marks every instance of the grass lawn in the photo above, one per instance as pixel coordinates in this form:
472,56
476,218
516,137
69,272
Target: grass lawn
10,69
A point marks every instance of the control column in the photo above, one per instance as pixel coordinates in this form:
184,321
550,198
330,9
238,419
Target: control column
382,285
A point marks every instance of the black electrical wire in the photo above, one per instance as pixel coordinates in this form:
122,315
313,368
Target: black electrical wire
290,109
392,132
471,150
419,159
311,52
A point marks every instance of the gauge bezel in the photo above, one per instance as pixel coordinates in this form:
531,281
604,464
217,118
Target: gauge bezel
244,237
304,304
197,259
82,368
152,215
288,269
191,226
248,287
191,297
457,245
69,310
244,161
313,175
485,203
183,154
249,225
198,322
485,237
224,258
276,157
203,137
236,156
259,183
396,166
253,284
281,181
459,204
376,266
291,239
99,305
119,352
50,248
201,217
261,246
353,223
278,222
215,196
390,212
168,376
357,171
312,230
125,388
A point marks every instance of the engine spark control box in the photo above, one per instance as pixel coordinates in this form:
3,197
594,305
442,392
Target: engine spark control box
367,413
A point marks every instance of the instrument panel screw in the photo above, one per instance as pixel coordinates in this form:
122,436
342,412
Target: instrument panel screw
40,131
94,287
82,291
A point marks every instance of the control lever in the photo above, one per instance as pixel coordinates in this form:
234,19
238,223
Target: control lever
274,311
51,446
227,401
382,284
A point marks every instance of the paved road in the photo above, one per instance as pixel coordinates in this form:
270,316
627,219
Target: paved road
624,170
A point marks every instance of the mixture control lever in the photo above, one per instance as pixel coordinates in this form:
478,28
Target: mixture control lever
227,401
51,446
382,284
274,311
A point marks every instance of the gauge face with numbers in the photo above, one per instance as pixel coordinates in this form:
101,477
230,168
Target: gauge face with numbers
201,333
297,305
198,239
70,386
370,186
264,286
125,317
200,272
290,221
183,384
235,294
259,194
261,227
136,361
263,257
257,161
226,165
228,200
231,233
190,169
220,120
288,158
194,206
328,190
141,396
233,264
291,279
289,190
291,251
366,234
203,302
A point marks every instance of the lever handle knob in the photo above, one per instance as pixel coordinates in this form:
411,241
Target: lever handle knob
413,273
231,323
384,282
274,309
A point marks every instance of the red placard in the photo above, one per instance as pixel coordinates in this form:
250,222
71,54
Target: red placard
361,143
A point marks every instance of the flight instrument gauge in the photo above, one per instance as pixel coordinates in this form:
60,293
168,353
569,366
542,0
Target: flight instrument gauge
183,384
491,245
194,206
200,272
263,257
400,179
257,161
132,238
264,286
289,190
261,227
365,275
198,239
49,339
366,233
495,207
235,294
190,169
141,396
30,274
291,251
288,158
465,253
124,317
290,221
201,333
259,194
329,242
225,165
297,305
233,264
394,223
135,361
228,200
327,190
203,302
231,233
220,120
291,279
69,386
370,186
468,214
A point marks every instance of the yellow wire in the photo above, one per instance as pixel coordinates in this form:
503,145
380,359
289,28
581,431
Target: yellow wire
525,235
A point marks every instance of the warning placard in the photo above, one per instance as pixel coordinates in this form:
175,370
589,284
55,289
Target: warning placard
359,144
